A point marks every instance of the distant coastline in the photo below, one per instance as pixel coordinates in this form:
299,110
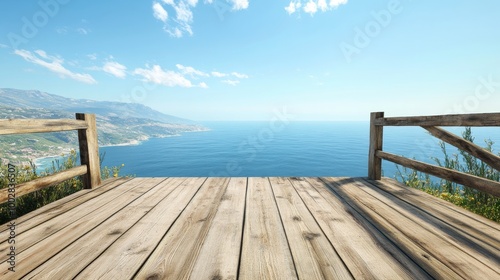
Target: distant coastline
65,151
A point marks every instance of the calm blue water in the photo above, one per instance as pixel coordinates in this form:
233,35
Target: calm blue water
266,149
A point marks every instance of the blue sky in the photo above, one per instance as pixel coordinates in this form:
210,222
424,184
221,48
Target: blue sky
247,59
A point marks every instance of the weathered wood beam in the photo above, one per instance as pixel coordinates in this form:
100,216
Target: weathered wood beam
89,151
486,119
471,148
376,142
20,126
43,182
465,179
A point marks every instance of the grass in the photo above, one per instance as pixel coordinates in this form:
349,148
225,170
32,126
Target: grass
37,199
471,199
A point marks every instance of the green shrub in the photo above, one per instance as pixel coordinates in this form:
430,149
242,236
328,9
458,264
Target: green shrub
471,199
37,199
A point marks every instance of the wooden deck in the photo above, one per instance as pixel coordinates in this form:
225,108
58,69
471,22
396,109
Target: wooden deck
253,228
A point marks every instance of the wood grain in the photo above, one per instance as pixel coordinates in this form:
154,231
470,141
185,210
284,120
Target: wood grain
376,143
414,235
129,252
22,126
485,119
265,252
43,182
308,243
478,183
59,232
176,254
219,256
89,151
366,252
471,148
72,259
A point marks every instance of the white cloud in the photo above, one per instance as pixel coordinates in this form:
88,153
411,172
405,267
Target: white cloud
231,82
187,70
293,6
158,76
116,69
2,46
54,64
203,85
313,6
240,4
239,76
92,56
218,74
180,25
159,12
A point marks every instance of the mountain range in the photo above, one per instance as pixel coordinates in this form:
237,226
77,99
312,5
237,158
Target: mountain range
117,123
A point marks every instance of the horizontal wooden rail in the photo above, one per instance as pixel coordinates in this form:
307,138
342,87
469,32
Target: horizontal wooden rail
44,182
20,126
471,148
465,179
85,124
431,123
486,119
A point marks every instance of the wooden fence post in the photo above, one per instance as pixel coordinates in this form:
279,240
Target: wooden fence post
89,151
376,139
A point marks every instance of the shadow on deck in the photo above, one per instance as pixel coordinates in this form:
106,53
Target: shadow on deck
253,228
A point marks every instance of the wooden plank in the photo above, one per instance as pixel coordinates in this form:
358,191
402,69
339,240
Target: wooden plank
364,249
467,217
314,256
89,151
458,177
477,235
132,249
471,148
21,126
437,255
376,143
176,254
62,205
28,258
265,252
219,255
43,182
485,119
470,247
27,238
71,260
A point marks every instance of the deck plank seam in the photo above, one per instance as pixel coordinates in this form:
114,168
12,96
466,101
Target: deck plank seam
375,227
131,226
35,213
74,221
447,204
320,227
242,229
284,230
419,218
88,229
167,230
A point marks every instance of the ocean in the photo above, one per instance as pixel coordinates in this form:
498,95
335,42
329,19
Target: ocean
271,149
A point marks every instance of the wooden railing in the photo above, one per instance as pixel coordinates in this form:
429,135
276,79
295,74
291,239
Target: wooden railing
89,151
431,123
